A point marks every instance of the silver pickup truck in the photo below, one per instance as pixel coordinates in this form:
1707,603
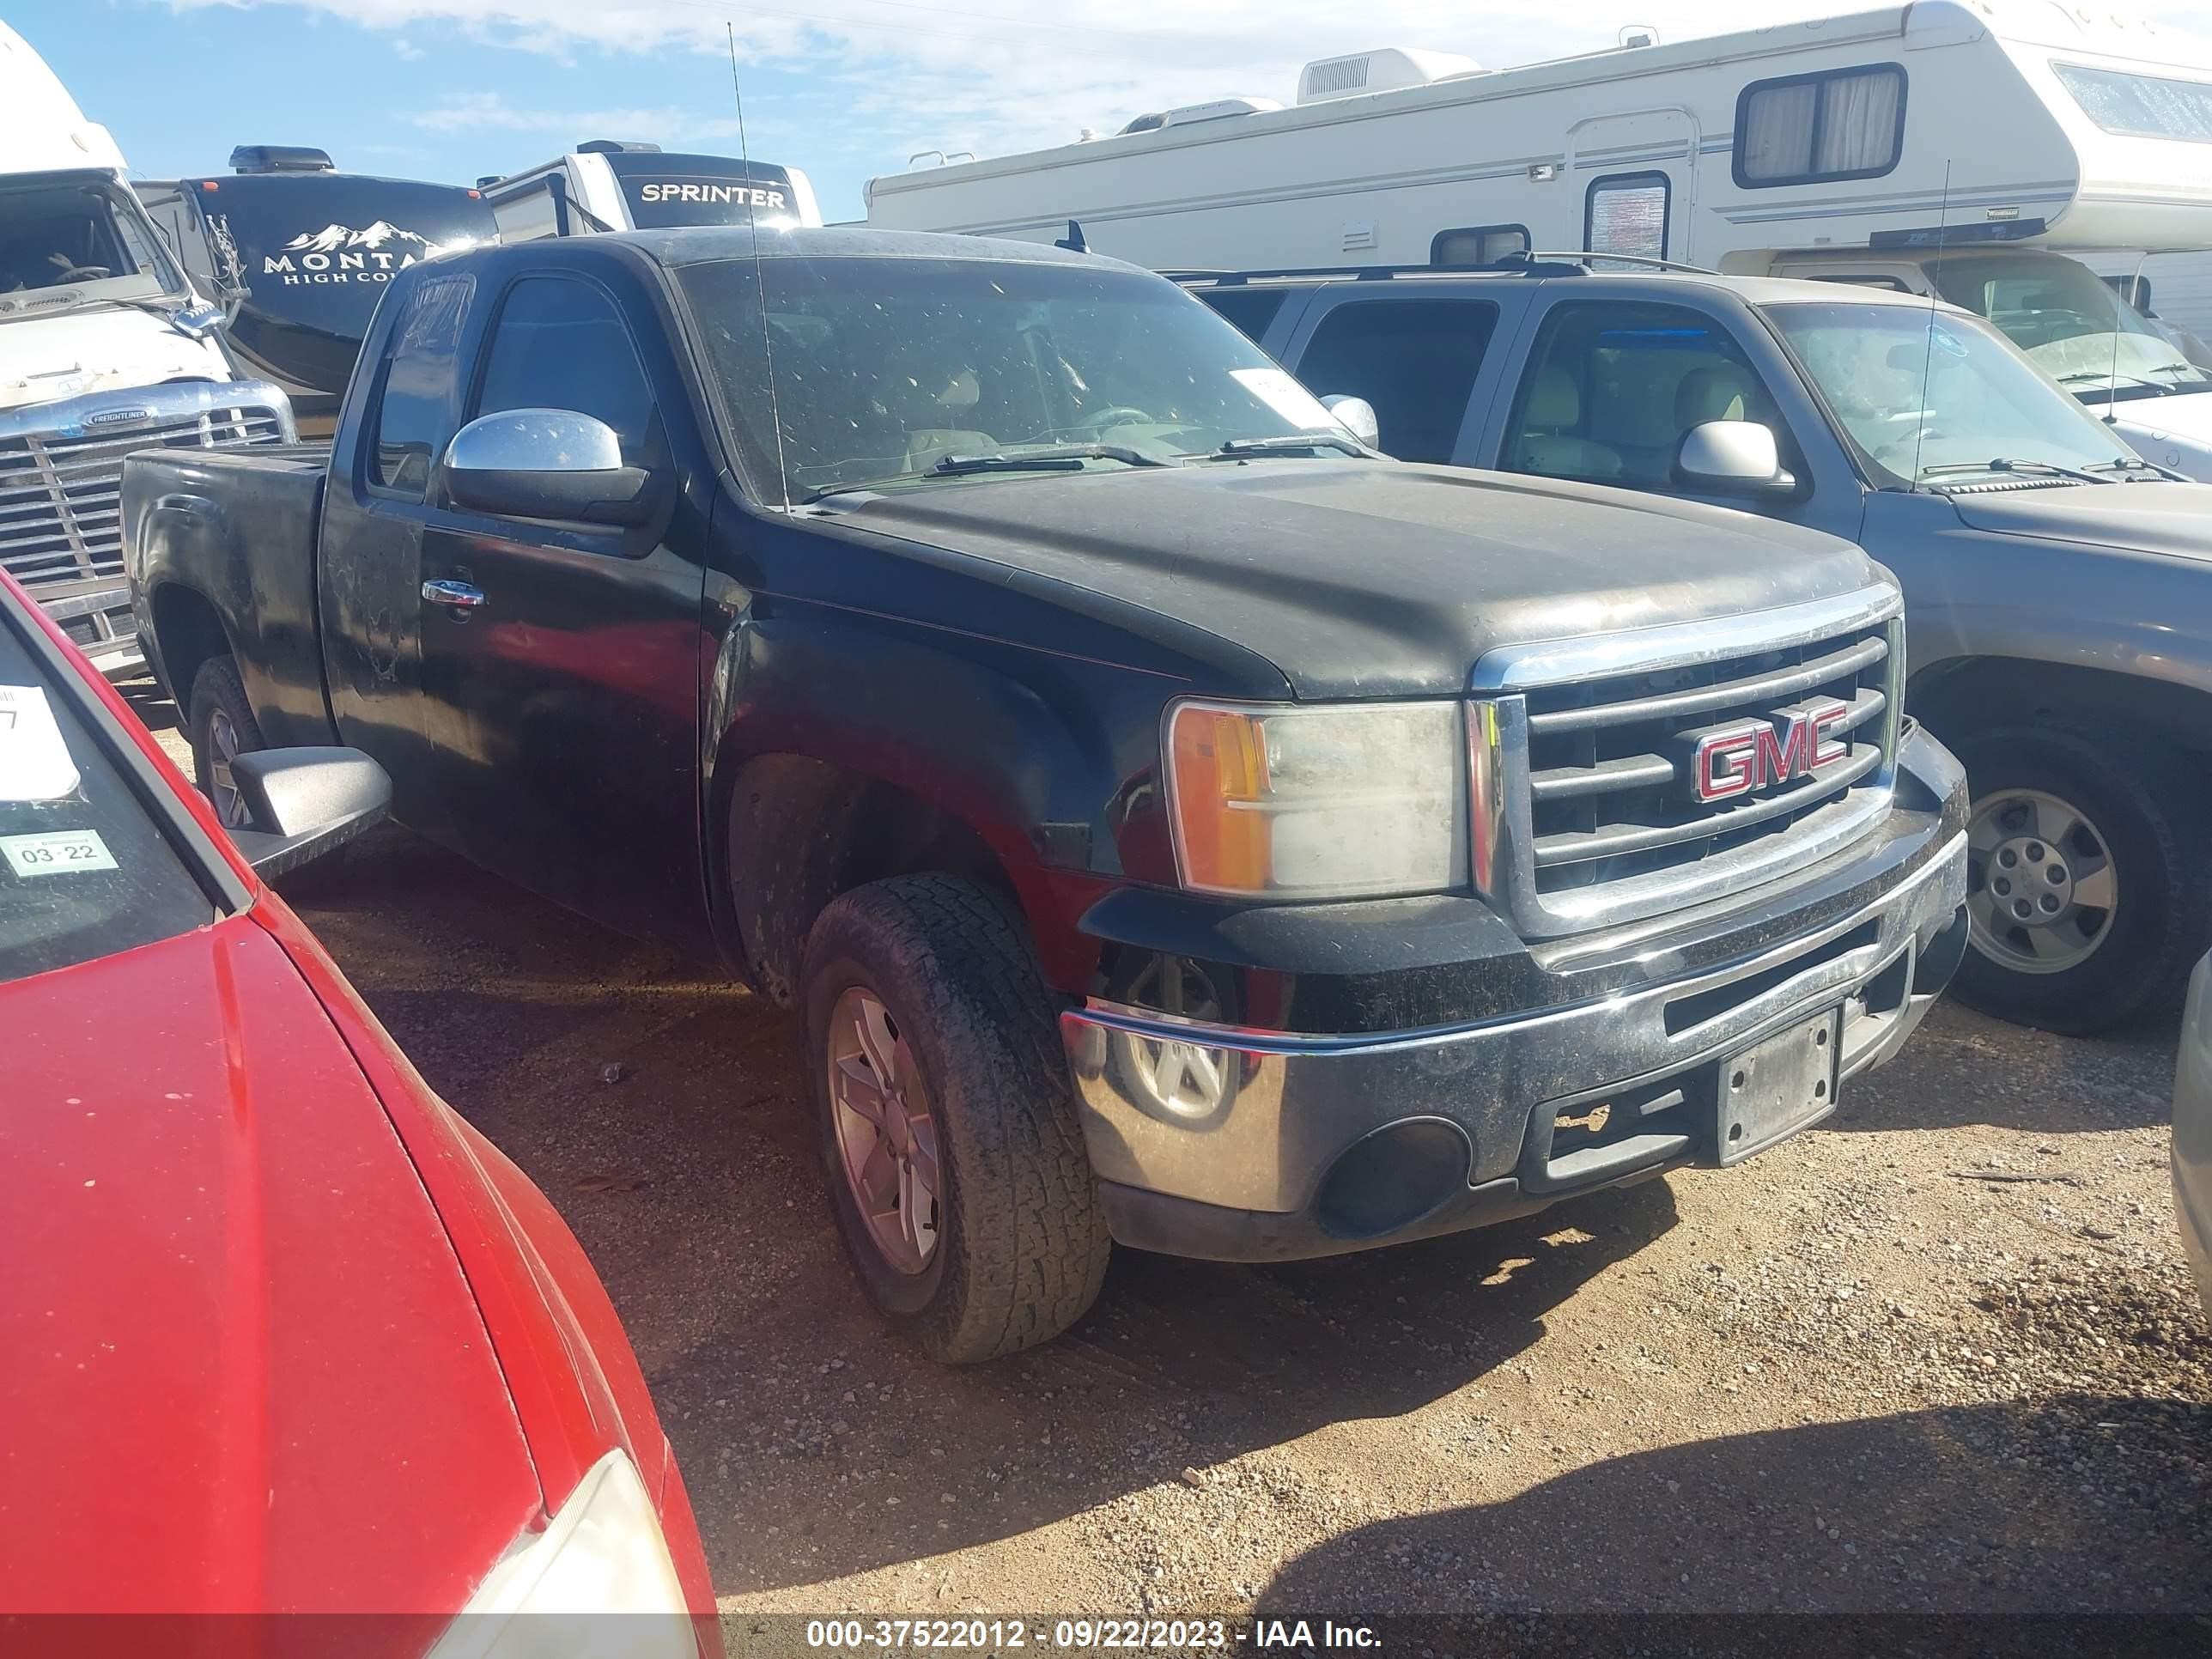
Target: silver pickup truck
2056,584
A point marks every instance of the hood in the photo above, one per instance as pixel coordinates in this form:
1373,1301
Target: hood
97,348
2173,431
2171,518
239,1367
1377,579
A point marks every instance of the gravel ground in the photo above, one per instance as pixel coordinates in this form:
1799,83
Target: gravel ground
1940,1354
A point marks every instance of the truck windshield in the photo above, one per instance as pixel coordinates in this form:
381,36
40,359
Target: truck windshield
85,871
2070,323
1921,390
886,369
77,243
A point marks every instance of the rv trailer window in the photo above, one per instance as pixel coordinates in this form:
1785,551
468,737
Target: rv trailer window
1414,359
2140,105
529,215
1811,129
1479,245
1250,308
1626,213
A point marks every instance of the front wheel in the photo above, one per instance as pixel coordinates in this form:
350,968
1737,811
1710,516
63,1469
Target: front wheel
221,724
2088,896
949,1138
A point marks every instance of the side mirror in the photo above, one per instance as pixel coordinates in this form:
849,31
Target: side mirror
546,464
1732,457
302,802
1356,416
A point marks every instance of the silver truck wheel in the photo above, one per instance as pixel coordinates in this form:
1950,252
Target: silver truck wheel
2042,891
220,722
2086,892
886,1138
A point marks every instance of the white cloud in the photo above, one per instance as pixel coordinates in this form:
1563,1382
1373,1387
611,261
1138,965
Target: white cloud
992,76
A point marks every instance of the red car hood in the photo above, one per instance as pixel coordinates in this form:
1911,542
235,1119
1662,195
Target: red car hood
239,1367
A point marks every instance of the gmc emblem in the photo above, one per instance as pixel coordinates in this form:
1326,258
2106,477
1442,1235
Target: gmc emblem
1737,759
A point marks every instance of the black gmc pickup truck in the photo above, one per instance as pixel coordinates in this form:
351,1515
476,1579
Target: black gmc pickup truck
1175,824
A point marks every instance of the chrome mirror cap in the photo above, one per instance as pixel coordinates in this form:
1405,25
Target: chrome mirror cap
534,440
1356,416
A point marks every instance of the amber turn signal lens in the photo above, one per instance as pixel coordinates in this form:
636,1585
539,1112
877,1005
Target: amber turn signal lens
1220,761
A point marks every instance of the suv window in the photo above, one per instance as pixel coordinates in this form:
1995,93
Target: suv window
560,343
1250,308
414,402
1611,388
1414,359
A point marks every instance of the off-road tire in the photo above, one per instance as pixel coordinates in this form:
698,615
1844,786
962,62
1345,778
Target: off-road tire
2150,811
1022,1242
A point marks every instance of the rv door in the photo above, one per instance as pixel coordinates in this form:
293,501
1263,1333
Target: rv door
1635,177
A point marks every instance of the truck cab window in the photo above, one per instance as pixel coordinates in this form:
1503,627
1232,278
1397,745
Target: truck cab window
1414,359
560,343
414,408
1252,309
1611,388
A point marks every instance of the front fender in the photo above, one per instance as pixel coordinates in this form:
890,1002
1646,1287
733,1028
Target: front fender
1049,759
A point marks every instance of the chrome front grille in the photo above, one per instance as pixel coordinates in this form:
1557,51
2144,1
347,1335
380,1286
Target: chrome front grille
1585,812
60,490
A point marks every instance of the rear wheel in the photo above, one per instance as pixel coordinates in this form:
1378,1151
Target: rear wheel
2088,896
954,1160
221,723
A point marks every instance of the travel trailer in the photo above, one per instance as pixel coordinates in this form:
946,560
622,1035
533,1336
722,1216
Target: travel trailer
606,186
1970,146
298,254
104,348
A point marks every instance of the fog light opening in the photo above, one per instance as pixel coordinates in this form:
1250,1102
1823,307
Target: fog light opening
1399,1174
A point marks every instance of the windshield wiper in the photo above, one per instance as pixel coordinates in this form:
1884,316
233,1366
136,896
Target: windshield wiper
2004,464
2135,464
1291,443
1052,458
2108,377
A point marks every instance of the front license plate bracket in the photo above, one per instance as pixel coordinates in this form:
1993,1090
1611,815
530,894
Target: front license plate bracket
1774,1089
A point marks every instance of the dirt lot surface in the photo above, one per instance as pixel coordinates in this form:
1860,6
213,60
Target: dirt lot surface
1940,1354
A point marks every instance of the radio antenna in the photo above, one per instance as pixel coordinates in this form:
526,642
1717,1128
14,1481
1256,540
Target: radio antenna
760,276
1927,348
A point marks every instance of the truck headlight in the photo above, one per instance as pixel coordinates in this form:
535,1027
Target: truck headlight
556,1594
1326,801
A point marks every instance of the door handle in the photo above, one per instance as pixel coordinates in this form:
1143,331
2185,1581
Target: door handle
458,596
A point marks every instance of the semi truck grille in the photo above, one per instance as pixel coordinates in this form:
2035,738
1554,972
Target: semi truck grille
60,518
1623,777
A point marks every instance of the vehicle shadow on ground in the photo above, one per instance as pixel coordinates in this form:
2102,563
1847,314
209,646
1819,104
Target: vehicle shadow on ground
1962,1067
814,1443
1836,1517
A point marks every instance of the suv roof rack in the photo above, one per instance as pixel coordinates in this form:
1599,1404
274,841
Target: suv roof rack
1581,263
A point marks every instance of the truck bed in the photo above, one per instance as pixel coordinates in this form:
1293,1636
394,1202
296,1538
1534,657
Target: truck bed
220,548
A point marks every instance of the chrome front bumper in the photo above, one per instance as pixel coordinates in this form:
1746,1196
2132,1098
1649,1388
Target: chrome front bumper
1225,1142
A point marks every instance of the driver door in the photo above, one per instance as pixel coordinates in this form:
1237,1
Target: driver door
561,701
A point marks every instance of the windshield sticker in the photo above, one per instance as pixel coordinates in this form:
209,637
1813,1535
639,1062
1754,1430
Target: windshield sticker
34,762
56,853
1276,389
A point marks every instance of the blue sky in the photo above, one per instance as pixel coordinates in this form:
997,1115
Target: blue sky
451,89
